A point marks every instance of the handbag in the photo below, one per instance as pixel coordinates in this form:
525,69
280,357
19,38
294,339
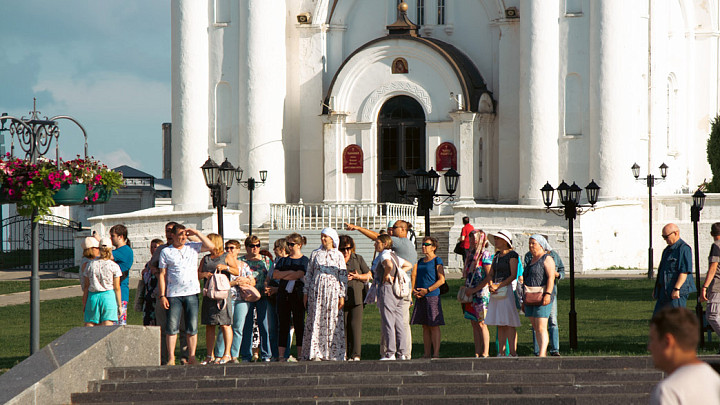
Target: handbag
462,298
444,288
459,249
533,295
500,294
249,293
371,297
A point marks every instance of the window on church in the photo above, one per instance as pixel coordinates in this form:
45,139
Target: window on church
441,12
573,104
480,160
573,7
222,11
670,114
223,113
421,12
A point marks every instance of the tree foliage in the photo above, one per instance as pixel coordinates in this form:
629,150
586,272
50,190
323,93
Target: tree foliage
713,155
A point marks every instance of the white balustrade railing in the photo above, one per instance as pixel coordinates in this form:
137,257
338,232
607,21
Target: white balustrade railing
318,216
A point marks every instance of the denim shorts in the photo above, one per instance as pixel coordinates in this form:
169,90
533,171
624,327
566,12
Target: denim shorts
188,305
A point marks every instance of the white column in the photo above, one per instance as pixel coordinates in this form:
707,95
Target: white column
310,66
611,98
333,131
266,90
464,124
504,167
189,75
539,52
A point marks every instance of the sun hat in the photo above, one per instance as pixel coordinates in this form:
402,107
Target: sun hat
504,235
89,243
106,242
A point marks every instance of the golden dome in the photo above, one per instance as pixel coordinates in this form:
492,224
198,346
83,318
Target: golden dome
403,6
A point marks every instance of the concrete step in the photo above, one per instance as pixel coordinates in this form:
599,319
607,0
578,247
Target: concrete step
565,380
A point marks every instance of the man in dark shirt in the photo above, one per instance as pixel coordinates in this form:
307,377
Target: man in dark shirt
674,280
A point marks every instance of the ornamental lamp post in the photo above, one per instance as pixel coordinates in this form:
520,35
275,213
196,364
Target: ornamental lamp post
697,206
650,182
250,185
427,185
570,208
219,180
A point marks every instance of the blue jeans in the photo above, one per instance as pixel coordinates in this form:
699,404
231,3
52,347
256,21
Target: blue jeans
261,306
188,305
553,331
240,310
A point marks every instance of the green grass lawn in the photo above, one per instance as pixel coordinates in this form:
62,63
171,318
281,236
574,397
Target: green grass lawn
7,287
612,320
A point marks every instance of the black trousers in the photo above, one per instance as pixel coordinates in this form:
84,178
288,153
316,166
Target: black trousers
353,329
290,308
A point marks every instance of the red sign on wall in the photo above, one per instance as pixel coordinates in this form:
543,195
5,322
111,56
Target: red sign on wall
446,157
352,159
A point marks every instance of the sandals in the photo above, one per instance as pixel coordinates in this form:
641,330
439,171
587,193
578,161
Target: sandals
209,360
223,360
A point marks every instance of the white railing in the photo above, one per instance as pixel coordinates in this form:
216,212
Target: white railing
319,216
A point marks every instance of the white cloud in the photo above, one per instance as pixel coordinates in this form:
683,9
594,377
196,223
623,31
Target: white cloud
117,158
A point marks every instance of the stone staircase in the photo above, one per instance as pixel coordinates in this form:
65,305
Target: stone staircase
565,380
440,228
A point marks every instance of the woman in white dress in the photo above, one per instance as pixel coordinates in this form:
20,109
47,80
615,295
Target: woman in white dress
502,311
324,296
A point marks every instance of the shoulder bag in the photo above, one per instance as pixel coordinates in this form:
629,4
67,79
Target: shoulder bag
462,298
532,296
401,283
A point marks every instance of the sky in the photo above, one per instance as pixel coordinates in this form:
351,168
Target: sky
106,63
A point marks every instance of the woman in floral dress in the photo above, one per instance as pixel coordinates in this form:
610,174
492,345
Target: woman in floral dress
324,296
477,265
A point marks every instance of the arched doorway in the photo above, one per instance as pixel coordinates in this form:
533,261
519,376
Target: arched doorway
401,143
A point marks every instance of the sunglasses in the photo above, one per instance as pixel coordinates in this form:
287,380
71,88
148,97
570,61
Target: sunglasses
345,249
291,244
427,244
229,247
254,246
668,235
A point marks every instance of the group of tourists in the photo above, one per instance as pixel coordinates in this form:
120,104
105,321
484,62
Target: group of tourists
257,301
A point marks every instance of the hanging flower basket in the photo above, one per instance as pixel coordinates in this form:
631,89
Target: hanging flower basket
98,195
70,194
47,183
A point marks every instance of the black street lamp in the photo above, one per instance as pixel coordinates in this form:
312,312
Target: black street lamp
35,136
219,180
570,208
250,184
427,185
698,203
650,181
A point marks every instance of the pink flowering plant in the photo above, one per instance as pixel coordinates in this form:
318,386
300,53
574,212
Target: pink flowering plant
33,185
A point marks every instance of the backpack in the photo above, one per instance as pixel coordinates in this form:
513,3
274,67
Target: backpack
217,288
401,284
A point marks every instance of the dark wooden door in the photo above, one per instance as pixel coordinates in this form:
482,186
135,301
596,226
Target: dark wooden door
401,144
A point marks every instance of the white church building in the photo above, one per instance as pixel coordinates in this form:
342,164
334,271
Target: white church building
333,97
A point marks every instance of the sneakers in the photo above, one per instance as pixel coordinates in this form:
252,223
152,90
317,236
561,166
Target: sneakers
403,357
356,358
291,359
388,358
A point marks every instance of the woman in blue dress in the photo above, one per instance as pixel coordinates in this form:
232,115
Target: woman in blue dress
427,277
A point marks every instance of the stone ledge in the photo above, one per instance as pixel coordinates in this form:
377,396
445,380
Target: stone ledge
81,355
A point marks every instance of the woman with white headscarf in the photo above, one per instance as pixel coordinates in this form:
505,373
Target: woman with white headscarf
324,297
540,273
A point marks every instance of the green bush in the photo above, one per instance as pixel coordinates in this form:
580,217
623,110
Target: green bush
713,155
